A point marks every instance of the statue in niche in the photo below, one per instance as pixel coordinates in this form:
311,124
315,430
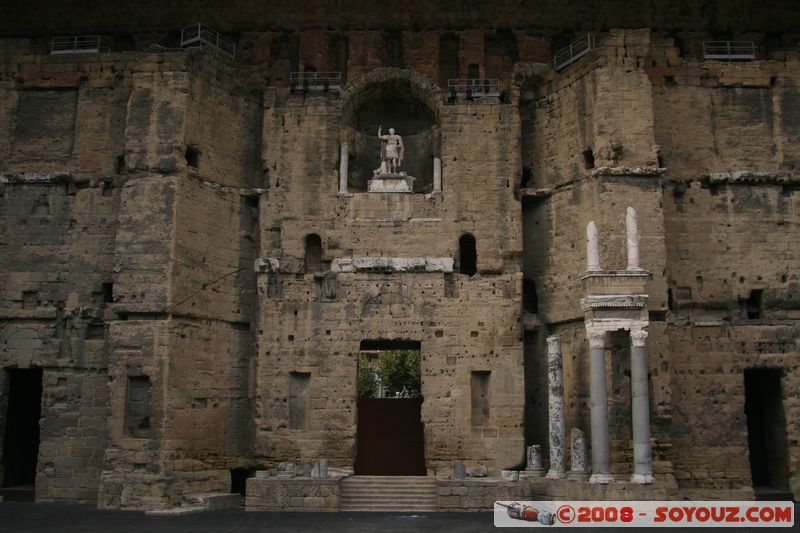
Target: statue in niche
391,152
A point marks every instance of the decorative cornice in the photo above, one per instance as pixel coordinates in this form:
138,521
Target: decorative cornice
614,301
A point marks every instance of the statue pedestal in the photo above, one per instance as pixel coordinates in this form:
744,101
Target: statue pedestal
391,183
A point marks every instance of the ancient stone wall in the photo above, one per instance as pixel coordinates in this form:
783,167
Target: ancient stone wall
54,307
140,189
313,323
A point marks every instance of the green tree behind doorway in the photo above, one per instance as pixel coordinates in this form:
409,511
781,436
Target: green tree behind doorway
398,370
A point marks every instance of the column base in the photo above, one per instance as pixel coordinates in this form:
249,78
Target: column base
577,475
345,194
643,479
531,472
556,474
601,479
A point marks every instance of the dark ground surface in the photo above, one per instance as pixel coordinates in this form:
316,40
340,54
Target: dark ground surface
41,517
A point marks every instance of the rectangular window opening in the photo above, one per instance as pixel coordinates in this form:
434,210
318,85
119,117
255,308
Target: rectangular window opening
299,399
479,387
137,407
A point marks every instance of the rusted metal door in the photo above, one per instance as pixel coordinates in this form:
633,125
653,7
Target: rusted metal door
390,439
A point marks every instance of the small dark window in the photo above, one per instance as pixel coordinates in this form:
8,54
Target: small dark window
95,331
530,301
394,48
588,159
467,255
754,304
338,56
108,292
193,156
527,177
119,165
313,260
474,71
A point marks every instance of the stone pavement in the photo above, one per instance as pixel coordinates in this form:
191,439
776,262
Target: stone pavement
47,517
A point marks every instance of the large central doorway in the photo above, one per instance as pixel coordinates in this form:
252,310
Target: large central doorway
390,436
21,439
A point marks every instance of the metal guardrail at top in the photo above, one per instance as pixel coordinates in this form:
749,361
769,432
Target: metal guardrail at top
76,44
729,50
576,50
473,88
203,35
315,81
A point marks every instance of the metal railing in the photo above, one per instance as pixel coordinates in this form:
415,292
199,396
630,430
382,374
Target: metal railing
315,81
576,50
203,35
76,44
473,88
729,50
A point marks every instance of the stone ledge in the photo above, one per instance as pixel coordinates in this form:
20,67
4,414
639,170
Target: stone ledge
621,301
36,177
393,264
645,171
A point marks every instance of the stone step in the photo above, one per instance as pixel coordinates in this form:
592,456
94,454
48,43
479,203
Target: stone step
386,497
181,510
388,493
22,493
381,508
391,490
387,484
215,500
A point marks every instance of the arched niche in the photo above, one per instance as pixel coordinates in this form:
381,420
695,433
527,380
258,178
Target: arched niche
392,98
530,86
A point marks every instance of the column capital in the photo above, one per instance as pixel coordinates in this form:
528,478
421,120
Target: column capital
597,337
554,343
638,336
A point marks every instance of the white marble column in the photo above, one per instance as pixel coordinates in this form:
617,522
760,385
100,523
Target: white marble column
534,466
437,175
579,470
640,409
555,377
344,161
601,461
632,230
592,248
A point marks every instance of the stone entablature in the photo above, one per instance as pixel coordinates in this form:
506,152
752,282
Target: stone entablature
393,264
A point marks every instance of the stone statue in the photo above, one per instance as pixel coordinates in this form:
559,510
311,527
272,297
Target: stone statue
391,152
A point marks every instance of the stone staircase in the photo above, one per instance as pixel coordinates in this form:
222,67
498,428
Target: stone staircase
388,493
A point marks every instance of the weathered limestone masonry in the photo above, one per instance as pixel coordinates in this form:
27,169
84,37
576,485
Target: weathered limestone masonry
313,322
191,262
